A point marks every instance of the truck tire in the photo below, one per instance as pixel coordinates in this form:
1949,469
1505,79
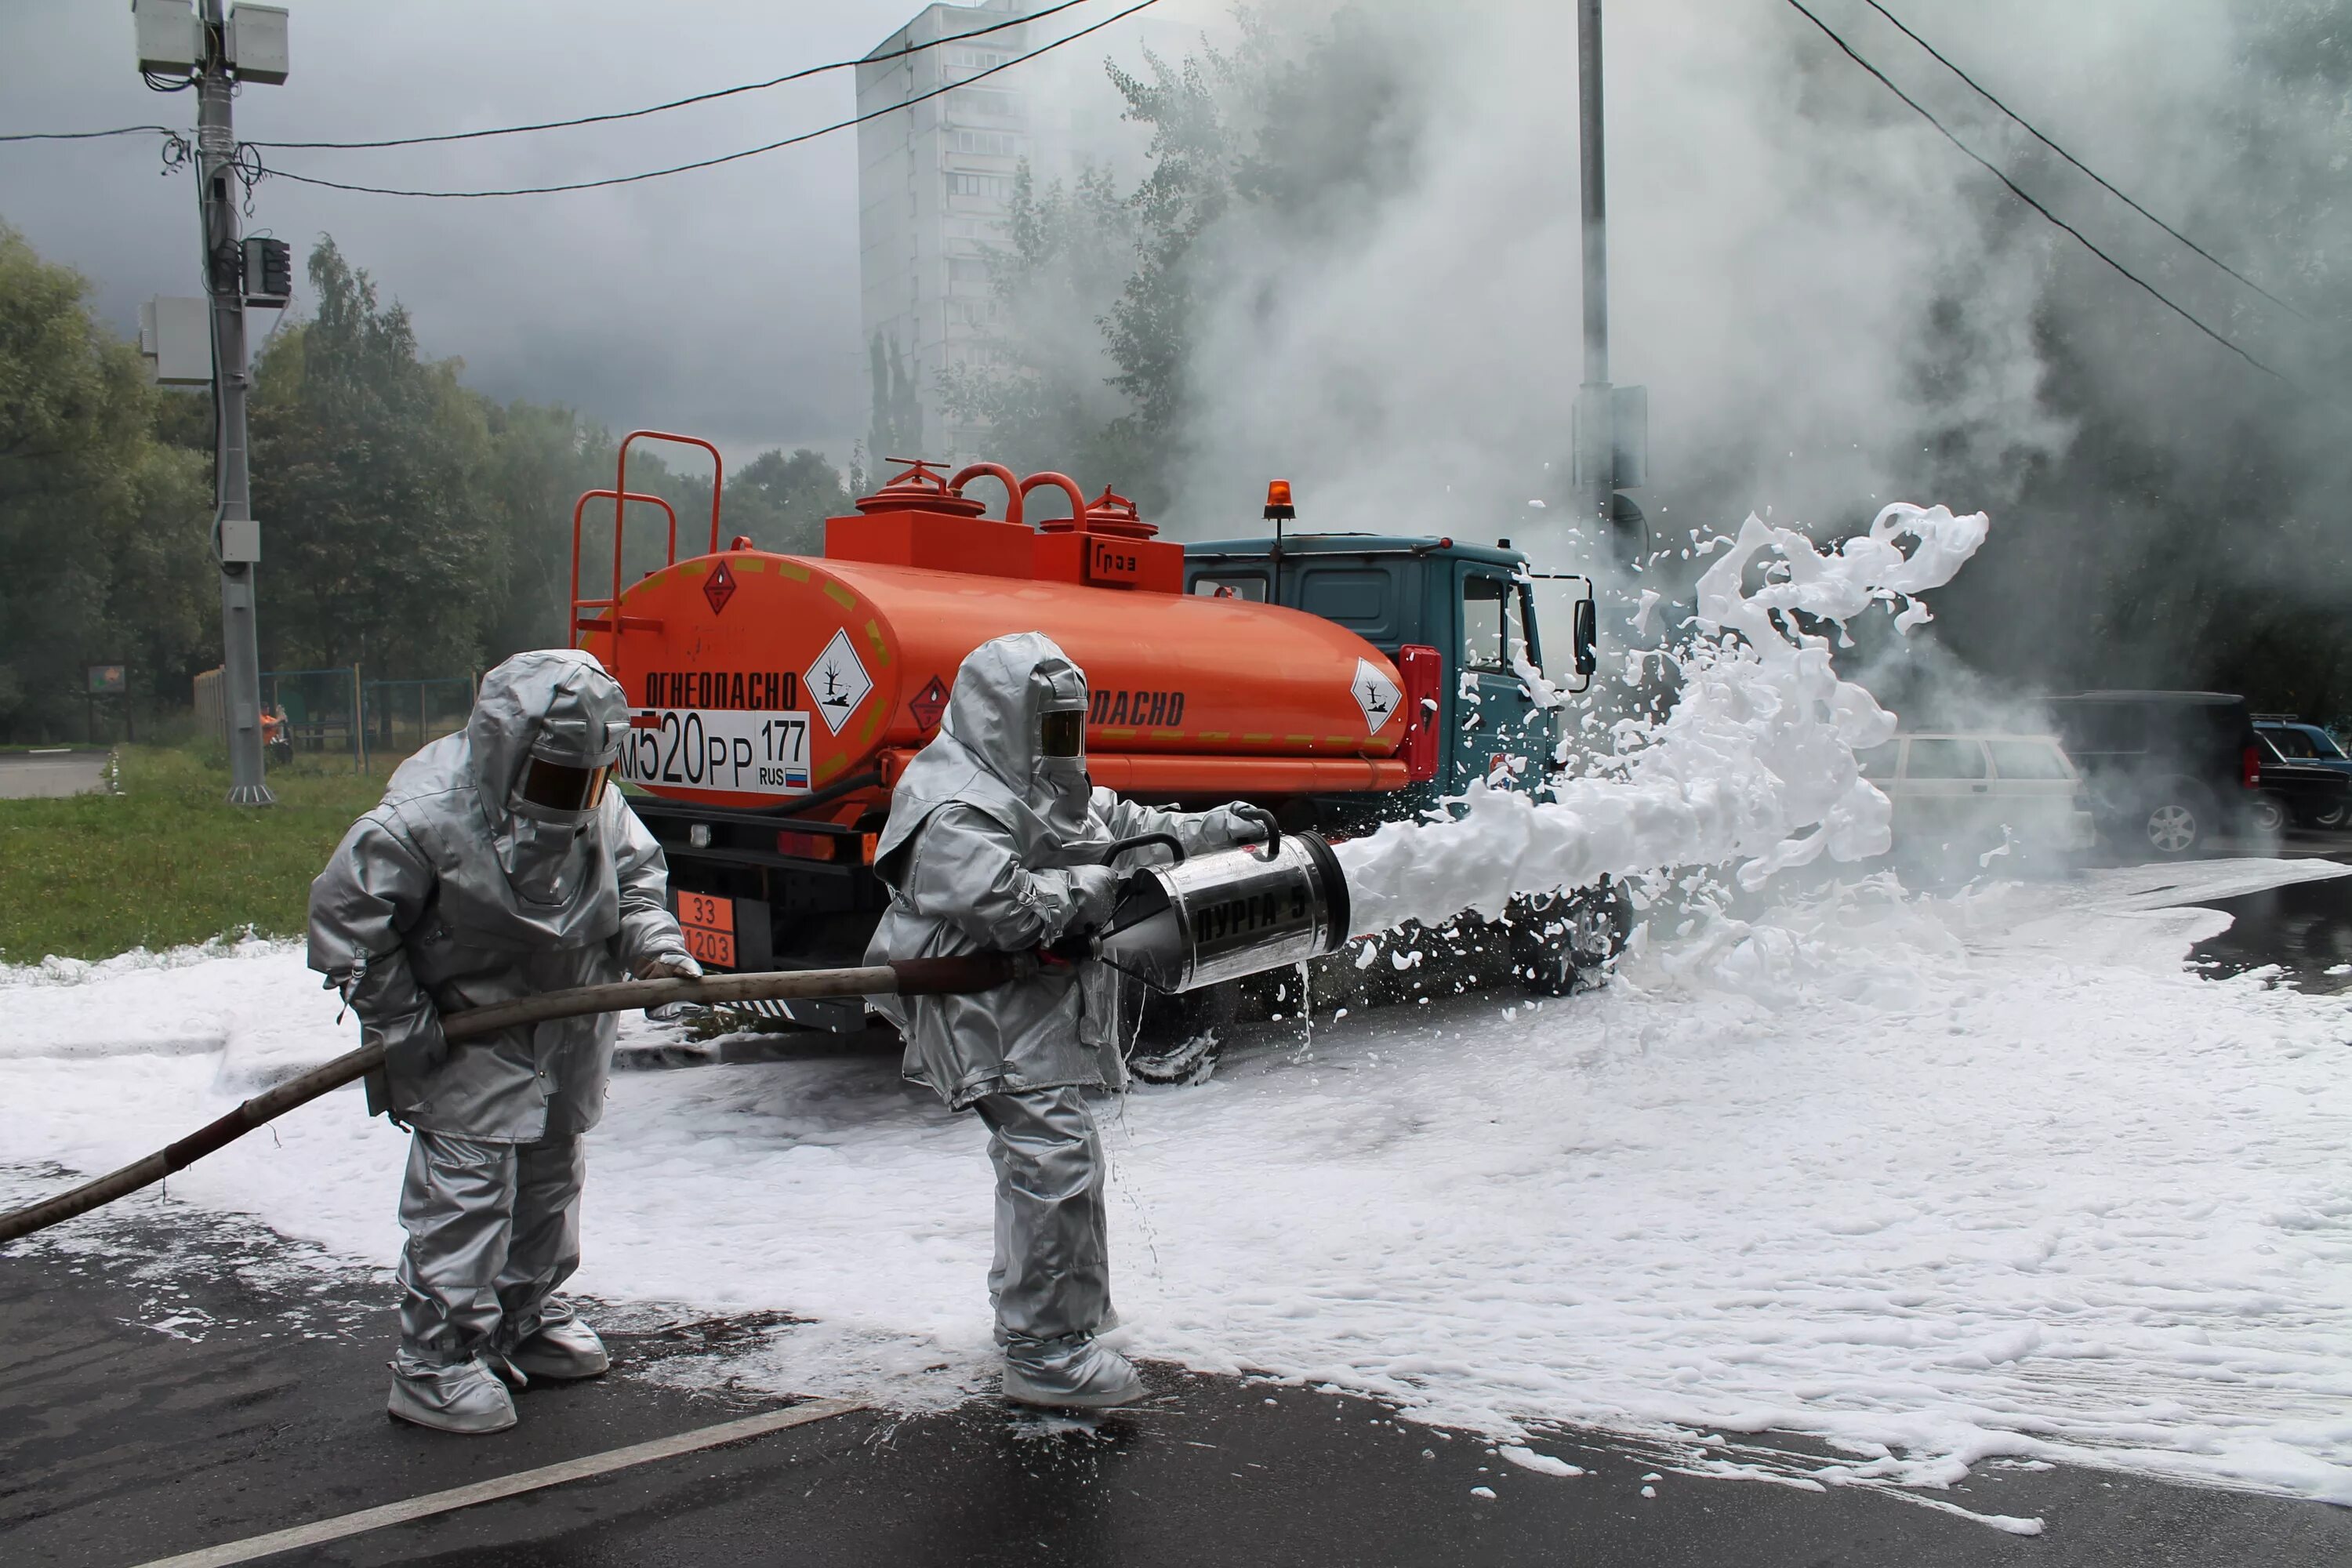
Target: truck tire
2175,818
1175,1037
1563,944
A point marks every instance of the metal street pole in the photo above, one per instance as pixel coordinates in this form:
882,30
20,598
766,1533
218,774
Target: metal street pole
236,536
1596,436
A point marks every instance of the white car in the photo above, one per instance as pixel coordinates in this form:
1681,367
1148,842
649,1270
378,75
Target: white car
1958,793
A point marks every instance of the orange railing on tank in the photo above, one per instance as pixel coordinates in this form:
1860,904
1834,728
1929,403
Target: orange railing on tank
1068,487
621,495
579,509
1001,475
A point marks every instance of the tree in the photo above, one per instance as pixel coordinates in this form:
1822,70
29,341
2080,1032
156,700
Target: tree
104,528
782,502
366,464
897,428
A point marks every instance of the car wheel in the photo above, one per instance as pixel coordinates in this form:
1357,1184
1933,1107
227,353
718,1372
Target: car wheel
2267,815
2176,820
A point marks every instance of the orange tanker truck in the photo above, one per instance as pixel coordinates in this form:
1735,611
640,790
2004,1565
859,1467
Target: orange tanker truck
1338,679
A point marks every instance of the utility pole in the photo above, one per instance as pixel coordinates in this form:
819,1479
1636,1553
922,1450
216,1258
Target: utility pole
1612,423
215,49
235,535
1596,443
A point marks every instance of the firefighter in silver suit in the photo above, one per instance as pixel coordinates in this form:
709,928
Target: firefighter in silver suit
995,842
498,866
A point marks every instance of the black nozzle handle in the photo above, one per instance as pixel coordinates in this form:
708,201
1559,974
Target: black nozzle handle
1264,819
1145,841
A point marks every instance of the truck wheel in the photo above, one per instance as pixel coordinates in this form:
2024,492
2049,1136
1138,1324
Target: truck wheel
1176,1035
2332,817
2175,819
1563,944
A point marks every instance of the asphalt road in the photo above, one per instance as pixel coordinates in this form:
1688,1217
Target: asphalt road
201,1382
171,1381
36,776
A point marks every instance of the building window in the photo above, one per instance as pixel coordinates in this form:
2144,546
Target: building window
985,103
988,188
991,143
966,59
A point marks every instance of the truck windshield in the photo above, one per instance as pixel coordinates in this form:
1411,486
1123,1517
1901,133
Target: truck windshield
1250,586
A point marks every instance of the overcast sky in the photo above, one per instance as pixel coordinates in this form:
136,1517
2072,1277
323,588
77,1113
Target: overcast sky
723,303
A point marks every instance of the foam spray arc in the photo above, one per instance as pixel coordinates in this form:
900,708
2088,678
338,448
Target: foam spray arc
1756,762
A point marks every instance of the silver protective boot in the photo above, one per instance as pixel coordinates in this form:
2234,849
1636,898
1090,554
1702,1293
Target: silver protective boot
562,1348
465,1397
1051,1281
1074,1374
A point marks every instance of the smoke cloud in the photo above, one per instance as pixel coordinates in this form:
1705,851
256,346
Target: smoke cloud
1831,305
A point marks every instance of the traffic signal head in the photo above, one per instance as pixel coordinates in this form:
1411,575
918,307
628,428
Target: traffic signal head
268,273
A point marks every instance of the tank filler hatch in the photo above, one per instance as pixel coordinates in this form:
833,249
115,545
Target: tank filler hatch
923,517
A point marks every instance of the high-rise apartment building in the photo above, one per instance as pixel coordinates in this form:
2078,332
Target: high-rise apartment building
934,187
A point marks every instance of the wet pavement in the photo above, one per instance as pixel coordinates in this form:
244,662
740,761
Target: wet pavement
2303,928
42,776
171,1381
203,1382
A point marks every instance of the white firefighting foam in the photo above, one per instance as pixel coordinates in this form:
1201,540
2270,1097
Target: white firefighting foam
1756,762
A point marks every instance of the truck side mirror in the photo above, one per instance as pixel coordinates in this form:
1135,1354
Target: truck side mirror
1588,634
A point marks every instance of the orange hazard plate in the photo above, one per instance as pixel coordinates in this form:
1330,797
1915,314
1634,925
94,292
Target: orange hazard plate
709,926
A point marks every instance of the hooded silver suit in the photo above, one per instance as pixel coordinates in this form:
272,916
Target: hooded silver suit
992,845
457,892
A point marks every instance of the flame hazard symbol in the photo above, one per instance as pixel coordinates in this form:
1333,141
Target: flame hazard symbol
719,587
1376,694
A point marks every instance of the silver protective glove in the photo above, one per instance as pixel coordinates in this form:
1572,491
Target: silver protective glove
412,1044
1095,891
667,966
1248,823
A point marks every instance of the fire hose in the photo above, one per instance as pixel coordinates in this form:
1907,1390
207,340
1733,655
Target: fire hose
903,977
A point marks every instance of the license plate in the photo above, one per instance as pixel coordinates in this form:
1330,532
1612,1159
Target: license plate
741,750
708,923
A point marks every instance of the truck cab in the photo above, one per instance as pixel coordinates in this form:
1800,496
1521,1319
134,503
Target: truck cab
1503,641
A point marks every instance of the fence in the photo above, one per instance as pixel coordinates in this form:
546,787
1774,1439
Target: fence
335,711
404,715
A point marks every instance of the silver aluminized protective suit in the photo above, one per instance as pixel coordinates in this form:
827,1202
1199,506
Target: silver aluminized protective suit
455,892
992,845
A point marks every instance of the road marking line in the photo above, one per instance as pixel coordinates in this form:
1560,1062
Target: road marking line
431,1503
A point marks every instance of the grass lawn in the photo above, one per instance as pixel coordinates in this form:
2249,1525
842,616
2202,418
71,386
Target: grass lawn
168,860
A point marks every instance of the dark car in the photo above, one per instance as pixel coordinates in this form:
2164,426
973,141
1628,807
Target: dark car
2171,770
2300,742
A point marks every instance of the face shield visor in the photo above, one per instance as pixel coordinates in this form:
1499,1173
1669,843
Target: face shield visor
562,787
1063,735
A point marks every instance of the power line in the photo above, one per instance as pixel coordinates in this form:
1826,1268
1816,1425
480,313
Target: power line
85,136
2078,164
725,157
2020,193
675,102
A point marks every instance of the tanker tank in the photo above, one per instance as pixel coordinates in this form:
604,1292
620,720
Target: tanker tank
761,677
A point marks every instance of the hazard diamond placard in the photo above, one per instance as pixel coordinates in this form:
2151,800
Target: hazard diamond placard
836,682
1376,694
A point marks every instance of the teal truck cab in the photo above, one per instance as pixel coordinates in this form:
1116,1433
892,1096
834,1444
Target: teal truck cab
1504,644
